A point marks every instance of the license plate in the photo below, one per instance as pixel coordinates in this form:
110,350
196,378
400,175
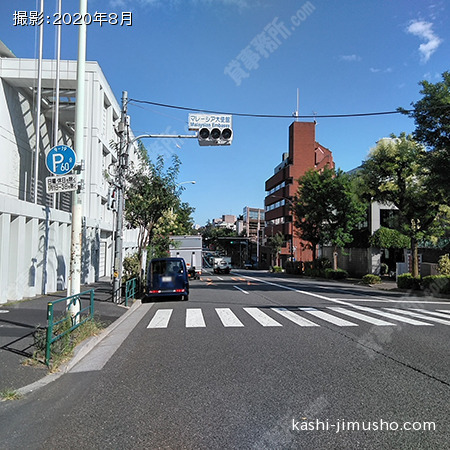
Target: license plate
166,279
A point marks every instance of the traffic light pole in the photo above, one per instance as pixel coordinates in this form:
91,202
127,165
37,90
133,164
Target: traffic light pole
120,184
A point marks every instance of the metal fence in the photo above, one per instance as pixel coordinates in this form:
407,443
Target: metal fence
59,327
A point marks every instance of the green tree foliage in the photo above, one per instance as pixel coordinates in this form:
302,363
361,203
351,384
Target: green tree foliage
395,173
327,209
150,193
388,238
275,243
432,118
211,236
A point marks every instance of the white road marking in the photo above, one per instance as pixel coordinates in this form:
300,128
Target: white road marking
299,320
194,318
434,313
262,318
228,318
329,318
420,316
242,290
393,316
359,316
160,319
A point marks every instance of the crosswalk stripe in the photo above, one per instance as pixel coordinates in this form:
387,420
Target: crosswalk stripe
228,318
446,311
194,318
329,318
393,316
359,316
262,318
420,316
434,313
160,319
299,320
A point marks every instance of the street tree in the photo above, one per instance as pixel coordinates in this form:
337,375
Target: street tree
432,118
275,243
150,193
395,173
327,209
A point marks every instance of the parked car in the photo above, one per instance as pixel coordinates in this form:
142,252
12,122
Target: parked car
167,277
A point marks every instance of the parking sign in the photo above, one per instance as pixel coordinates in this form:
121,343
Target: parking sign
60,160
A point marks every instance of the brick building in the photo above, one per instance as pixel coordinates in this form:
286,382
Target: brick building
304,154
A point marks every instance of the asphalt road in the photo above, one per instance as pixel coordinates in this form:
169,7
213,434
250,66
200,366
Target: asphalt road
254,362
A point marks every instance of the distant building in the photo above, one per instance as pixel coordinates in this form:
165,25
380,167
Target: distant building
304,154
253,222
227,221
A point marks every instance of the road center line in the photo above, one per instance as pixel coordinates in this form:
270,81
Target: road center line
242,290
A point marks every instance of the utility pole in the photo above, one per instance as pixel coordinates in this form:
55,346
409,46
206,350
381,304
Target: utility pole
122,166
77,197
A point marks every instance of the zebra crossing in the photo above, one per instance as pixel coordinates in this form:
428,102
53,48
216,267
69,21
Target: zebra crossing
306,317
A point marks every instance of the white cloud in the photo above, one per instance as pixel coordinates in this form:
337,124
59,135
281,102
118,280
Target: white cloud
424,31
349,58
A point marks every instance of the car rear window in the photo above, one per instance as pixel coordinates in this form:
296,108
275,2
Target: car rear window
166,267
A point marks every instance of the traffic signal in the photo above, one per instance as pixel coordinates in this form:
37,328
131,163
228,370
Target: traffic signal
215,136
112,199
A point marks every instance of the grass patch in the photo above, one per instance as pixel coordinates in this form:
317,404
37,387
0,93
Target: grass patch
62,349
10,394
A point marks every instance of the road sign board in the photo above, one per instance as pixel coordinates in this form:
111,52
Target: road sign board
63,183
60,160
198,121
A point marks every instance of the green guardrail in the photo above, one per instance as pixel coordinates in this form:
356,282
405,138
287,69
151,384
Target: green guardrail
58,325
131,289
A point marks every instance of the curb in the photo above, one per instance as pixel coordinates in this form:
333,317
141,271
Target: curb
79,353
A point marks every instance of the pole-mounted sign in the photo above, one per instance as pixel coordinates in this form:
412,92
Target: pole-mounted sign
60,160
213,129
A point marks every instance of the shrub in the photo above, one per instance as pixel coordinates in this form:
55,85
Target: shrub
384,269
437,284
371,279
407,281
277,269
444,265
294,267
131,266
338,274
317,267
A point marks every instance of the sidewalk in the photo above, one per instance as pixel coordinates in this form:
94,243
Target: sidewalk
19,320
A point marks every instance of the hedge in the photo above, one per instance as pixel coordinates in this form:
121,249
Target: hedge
337,274
371,279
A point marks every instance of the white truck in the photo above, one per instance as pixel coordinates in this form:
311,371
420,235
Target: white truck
190,249
221,264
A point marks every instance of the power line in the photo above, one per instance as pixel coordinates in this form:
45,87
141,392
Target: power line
273,116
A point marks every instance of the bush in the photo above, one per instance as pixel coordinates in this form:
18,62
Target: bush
384,269
277,269
439,284
317,267
371,279
338,274
407,281
131,267
294,267
444,265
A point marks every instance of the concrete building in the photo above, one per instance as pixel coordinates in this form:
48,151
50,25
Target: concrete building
227,221
304,154
35,235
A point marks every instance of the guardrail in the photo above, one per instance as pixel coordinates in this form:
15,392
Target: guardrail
131,289
62,326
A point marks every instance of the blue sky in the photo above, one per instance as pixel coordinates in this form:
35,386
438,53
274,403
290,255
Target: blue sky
344,57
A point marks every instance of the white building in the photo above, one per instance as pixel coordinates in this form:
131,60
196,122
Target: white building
35,236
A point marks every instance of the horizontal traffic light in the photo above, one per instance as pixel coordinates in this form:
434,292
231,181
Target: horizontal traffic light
215,136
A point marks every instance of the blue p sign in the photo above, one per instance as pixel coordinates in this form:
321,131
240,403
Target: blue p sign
60,160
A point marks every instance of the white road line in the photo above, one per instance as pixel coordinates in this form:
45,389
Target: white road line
359,316
160,319
393,316
262,318
220,278
299,320
228,318
329,318
446,311
3,311
434,313
420,316
194,318
242,290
